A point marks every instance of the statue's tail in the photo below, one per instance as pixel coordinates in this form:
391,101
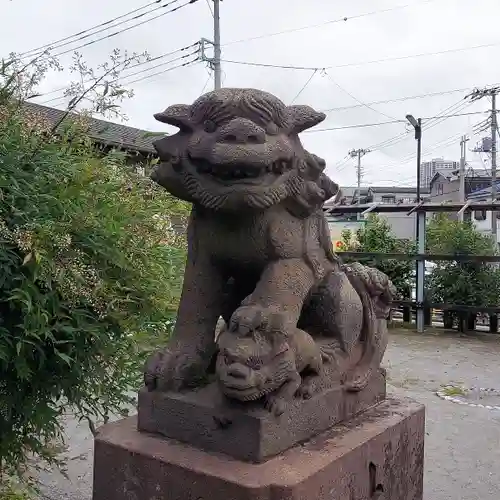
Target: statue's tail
374,338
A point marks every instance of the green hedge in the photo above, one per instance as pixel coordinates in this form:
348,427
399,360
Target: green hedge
89,281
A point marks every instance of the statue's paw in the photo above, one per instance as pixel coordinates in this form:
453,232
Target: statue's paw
306,389
330,352
172,369
275,405
248,318
328,355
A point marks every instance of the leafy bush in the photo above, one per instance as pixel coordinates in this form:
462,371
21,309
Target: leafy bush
377,237
90,278
467,283
9,490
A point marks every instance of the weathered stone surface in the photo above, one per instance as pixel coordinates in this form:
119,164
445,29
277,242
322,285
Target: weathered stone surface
207,420
260,255
375,456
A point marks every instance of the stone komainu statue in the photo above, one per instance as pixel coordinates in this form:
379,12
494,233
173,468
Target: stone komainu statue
260,255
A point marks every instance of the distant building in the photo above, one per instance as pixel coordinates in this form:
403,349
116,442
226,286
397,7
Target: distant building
402,226
482,218
446,188
477,188
484,145
428,169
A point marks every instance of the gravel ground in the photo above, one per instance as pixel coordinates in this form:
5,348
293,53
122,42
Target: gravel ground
462,442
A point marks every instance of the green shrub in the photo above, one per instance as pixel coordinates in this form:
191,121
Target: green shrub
90,277
10,490
466,283
377,237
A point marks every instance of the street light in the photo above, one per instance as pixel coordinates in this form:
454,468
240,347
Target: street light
420,239
417,125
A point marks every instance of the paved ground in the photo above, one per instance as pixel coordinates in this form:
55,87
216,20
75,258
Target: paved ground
462,443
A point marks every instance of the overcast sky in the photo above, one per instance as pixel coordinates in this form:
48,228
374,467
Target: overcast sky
394,30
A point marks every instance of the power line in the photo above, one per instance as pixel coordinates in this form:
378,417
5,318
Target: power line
325,23
400,137
358,125
105,23
177,59
438,145
363,125
210,8
396,99
355,98
157,58
392,141
279,66
91,42
362,63
304,87
206,84
148,77
187,63
439,118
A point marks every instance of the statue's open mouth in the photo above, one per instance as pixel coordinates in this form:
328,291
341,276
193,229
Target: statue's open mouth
240,172
235,385
251,393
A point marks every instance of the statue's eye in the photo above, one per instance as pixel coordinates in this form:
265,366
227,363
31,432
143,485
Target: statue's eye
272,128
209,126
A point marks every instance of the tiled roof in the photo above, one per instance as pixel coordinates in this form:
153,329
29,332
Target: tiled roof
104,132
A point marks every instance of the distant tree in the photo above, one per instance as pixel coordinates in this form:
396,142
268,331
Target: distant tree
467,283
376,236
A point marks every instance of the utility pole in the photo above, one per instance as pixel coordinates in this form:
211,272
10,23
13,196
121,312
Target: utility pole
214,62
463,151
417,125
494,162
217,51
358,153
476,95
419,228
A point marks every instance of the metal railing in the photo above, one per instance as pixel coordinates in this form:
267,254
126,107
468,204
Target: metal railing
421,209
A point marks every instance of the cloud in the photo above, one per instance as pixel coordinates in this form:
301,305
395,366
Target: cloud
388,31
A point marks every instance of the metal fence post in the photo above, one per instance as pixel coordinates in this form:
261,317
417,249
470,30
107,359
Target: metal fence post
420,278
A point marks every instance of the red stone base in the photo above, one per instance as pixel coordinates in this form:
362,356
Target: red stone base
377,456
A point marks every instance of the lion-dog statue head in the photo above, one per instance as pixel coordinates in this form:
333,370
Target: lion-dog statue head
238,149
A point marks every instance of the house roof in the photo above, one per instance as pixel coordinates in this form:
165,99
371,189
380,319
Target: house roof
441,175
479,193
397,190
104,132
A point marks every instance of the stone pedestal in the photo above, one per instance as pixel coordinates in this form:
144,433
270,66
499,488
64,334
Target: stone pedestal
205,419
377,455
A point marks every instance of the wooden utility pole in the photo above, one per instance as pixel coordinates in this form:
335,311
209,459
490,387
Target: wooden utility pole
217,50
358,153
476,95
494,161
463,163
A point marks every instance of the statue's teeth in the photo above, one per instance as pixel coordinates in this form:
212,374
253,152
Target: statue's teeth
252,173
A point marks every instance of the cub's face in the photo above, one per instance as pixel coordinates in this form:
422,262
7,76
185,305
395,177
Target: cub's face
252,365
